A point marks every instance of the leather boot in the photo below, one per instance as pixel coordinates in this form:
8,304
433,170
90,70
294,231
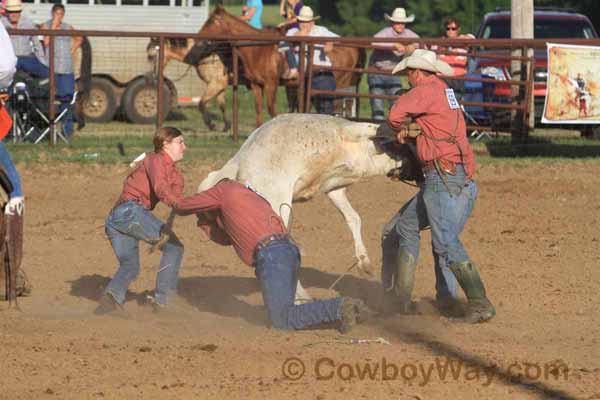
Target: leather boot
397,299
479,307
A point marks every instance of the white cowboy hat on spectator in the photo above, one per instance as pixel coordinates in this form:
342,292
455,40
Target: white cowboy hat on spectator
399,15
13,5
306,15
426,60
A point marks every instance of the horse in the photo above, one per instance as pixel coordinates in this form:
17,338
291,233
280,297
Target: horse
263,65
209,66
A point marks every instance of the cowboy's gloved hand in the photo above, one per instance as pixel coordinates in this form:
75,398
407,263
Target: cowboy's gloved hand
15,206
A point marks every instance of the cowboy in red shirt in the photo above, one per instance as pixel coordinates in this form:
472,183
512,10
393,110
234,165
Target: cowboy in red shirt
230,213
445,199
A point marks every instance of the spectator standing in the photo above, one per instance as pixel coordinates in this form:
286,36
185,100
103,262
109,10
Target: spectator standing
321,80
64,75
26,47
252,13
386,56
458,62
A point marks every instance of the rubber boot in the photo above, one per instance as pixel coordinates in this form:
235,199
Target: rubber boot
397,299
479,307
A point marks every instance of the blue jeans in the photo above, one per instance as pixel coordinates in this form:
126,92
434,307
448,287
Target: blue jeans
277,265
126,225
65,87
11,171
33,67
382,85
323,81
443,207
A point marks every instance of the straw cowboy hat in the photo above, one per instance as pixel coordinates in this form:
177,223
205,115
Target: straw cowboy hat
399,15
306,15
426,60
13,5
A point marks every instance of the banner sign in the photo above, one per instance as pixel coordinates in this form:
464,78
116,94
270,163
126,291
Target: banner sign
573,85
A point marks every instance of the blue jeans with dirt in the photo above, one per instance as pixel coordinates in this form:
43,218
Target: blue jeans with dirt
276,267
443,206
382,85
126,225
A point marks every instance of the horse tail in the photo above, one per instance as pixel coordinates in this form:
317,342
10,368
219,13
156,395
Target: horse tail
85,80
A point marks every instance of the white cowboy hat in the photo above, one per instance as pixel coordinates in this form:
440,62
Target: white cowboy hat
426,60
13,5
306,15
399,15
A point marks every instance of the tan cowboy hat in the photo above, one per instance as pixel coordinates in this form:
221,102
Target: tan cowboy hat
13,5
399,15
306,15
426,60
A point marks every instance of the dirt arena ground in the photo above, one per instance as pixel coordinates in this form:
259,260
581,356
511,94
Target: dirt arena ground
534,235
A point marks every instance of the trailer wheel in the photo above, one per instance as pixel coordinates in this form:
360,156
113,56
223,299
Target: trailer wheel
101,103
139,101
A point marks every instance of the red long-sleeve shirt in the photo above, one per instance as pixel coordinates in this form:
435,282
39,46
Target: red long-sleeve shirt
429,105
244,216
155,179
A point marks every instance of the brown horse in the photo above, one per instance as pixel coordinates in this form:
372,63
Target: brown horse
263,65
209,67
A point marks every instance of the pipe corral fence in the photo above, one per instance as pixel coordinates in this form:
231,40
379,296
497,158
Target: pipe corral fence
503,51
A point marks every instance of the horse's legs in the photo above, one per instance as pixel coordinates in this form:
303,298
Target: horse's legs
206,117
223,108
271,92
257,90
292,98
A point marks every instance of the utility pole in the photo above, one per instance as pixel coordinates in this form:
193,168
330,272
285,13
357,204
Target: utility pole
521,27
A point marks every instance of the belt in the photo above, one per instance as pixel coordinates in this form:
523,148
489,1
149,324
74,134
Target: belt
123,201
446,166
265,241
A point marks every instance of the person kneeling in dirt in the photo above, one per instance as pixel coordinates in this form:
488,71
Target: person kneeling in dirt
233,214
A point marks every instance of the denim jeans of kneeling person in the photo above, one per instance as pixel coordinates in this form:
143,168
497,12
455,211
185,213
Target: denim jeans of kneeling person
276,267
445,207
126,225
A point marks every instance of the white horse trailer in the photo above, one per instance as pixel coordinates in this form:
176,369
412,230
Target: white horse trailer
120,65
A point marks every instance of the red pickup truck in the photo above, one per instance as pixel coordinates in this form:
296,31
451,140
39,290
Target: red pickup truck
549,23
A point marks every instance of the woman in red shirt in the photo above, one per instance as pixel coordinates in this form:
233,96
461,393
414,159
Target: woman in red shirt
156,179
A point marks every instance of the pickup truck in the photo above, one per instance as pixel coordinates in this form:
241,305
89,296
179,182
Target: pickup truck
549,24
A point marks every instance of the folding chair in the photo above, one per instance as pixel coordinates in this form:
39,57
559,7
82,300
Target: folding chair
58,125
28,118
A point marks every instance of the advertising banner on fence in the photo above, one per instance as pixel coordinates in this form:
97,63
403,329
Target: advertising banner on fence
573,89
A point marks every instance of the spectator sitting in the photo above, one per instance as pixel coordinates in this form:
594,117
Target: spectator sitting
252,13
64,48
321,80
27,48
386,56
456,61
